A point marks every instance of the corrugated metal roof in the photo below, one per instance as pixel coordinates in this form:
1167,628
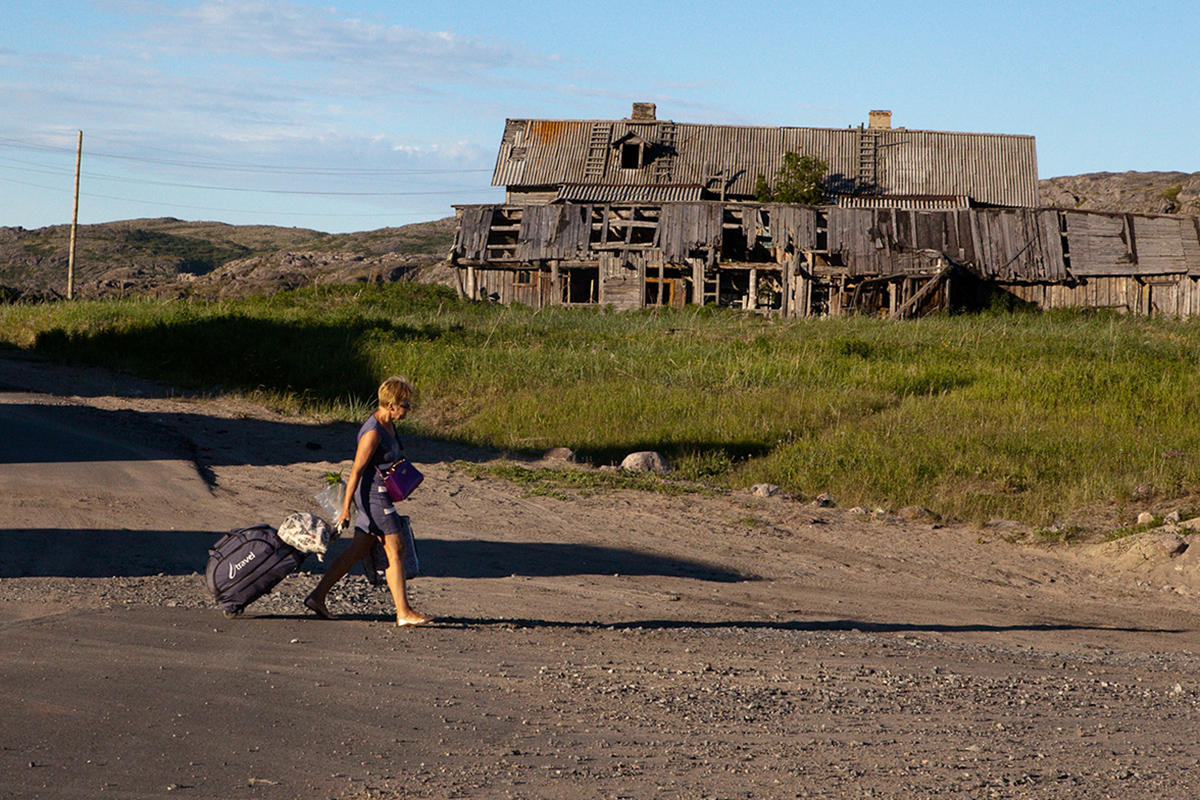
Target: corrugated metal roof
924,202
997,169
583,193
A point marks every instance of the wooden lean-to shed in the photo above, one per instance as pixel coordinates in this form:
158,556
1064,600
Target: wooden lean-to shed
642,212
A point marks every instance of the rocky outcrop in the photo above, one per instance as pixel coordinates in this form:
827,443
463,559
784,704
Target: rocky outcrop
282,271
1125,192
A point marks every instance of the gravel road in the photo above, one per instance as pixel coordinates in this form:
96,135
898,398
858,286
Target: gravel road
607,645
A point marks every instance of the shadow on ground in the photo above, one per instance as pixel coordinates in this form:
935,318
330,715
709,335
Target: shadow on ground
57,552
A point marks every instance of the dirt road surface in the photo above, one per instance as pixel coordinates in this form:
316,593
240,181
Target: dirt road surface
608,645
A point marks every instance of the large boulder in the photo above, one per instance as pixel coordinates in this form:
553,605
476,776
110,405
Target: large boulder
646,461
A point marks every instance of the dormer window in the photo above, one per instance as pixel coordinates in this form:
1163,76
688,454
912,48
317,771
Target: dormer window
631,155
636,152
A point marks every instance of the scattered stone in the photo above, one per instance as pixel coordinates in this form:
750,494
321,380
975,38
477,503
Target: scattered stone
824,500
765,490
1172,517
1172,544
859,510
646,461
1145,518
1192,524
917,513
560,454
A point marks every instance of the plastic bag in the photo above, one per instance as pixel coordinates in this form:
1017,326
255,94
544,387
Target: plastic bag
330,499
375,562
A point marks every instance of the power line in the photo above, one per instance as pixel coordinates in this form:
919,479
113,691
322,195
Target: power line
244,167
148,182
8,163
169,204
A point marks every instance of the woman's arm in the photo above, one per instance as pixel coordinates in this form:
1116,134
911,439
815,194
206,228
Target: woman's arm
362,461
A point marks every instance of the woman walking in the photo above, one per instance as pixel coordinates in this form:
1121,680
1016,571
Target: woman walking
378,446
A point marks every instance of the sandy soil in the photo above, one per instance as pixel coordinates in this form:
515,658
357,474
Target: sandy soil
620,644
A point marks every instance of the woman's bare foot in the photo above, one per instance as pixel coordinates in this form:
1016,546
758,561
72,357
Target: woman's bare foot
317,607
413,618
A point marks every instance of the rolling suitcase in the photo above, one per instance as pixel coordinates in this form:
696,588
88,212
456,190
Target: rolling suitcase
246,564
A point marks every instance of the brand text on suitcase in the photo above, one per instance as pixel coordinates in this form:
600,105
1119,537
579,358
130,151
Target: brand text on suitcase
233,568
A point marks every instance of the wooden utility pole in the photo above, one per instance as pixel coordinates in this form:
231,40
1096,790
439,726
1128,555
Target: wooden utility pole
74,222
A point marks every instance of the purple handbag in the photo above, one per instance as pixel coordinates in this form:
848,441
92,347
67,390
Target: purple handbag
401,479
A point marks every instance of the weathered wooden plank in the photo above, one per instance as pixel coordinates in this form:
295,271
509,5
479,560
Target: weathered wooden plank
470,240
1098,244
1190,236
620,283
1054,266
922,293
685,227
793,228
1160,249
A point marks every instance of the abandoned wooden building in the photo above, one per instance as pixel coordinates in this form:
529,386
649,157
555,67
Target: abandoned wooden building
642,212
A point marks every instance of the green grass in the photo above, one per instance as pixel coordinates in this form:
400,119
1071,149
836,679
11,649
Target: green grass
1026,416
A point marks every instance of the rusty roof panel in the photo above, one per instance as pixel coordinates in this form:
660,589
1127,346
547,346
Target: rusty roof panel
994,169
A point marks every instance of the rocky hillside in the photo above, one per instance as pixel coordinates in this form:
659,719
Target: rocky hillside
173,258
1132,192
170,257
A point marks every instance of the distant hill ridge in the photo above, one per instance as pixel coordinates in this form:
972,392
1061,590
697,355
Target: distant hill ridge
171,257
174,258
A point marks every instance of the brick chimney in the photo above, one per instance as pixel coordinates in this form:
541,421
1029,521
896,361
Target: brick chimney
643,112
880,119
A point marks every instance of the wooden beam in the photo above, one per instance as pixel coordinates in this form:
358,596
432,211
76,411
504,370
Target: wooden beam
912,302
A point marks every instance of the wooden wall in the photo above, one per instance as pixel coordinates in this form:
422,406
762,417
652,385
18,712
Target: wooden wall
621,281
1171,295
1140,263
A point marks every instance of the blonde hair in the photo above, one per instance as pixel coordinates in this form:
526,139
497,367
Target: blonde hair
396,389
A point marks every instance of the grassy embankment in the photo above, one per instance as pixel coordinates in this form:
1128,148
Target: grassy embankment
1025,416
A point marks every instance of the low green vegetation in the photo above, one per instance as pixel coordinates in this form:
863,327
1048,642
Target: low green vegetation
1018,415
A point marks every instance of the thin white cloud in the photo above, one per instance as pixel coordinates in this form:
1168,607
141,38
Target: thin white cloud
293,34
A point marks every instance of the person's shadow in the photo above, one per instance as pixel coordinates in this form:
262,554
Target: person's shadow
69,553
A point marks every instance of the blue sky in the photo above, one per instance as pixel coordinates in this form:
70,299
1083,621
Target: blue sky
356,115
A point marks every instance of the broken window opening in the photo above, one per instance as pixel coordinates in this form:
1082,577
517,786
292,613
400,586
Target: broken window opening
770,291
733,245
734,287
660,292
631,155
666,286
641,235
524,277
581,286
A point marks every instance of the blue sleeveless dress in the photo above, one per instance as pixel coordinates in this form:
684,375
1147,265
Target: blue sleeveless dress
376,513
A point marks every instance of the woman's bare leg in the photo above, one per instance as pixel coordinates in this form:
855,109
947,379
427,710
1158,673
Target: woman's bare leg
393,544
360,545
